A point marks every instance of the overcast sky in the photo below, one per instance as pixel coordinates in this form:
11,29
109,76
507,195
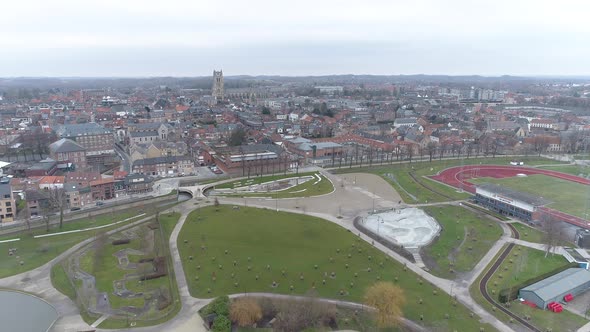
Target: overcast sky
299,37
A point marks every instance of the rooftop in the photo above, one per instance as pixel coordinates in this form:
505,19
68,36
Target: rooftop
513,194
65,145
81,129
559,283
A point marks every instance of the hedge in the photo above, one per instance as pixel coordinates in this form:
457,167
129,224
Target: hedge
509,294
120,241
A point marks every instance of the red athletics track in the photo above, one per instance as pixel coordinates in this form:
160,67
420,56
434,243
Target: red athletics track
455,176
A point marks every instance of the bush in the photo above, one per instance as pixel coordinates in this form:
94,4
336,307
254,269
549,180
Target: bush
221,324
219,306
120,241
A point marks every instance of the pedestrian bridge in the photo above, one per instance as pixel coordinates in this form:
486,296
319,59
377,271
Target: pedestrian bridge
195,191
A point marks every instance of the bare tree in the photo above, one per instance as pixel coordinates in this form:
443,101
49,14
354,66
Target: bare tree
430,149
553,233
57,201
298,315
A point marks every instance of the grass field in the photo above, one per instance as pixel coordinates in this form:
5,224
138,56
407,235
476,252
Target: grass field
527,264
398,175
465,238
36,252
299,253
528,233
567,196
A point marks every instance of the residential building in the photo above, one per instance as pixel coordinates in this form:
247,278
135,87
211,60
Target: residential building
37,202
138,183
7,202
164,166
77,196
66,151
103,189
98,141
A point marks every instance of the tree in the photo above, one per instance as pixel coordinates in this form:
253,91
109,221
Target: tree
298,315
553,233
431,149
245,311
57,201
216,203
237,137
388,300
265,110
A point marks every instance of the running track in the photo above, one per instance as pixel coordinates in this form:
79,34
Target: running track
458,177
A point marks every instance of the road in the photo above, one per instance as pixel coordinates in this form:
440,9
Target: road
125,159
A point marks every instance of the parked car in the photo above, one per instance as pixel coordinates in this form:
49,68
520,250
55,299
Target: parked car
75,209
99,203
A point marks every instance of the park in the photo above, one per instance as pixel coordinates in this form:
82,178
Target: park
284,239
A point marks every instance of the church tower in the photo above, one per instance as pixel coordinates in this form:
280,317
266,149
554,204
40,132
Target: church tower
217,90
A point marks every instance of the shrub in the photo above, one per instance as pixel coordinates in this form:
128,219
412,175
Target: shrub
121,241
219,306
221,324
245,311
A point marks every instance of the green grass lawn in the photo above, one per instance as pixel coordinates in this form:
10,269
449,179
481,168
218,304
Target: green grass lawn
265,243
36,252
465,238
528,233
567,196
403,182
61,282
528,263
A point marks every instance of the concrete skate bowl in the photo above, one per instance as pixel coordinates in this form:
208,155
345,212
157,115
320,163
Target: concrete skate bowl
23,312
408,228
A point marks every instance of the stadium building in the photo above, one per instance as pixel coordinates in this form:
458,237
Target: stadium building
509,202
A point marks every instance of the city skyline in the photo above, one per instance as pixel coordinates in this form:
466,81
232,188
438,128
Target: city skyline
139,39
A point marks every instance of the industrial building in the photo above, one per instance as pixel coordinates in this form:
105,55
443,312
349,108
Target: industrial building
560,287
509,202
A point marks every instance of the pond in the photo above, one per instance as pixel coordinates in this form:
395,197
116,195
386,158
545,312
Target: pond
21,312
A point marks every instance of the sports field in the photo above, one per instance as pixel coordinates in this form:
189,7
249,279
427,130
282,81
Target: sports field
567,196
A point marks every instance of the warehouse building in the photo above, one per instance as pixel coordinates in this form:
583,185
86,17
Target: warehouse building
509,202
560,287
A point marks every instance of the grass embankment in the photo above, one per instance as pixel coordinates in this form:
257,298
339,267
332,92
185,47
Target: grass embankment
526,263
566,196
528,233
577,170
279,252
104,268
398,175
312,187
34,252
464,239
260,179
